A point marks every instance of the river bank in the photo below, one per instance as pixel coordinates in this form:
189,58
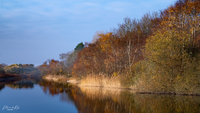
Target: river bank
61,79
105,83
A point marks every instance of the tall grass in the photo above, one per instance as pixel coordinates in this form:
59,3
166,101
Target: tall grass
55,78
101,81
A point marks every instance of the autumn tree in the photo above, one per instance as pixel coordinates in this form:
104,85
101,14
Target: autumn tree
183,16
68,59
114,52
165,50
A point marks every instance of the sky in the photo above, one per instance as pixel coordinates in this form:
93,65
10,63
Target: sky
32,31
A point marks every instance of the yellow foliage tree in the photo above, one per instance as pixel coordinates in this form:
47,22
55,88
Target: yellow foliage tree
167,53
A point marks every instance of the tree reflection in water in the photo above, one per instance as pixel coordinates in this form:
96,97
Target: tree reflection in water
98,100
1,87
25,83
52,88
101,100
17,83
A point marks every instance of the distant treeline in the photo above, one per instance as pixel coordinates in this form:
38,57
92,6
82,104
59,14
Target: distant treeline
18,69
157,53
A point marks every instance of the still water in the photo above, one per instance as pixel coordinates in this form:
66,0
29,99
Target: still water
29,96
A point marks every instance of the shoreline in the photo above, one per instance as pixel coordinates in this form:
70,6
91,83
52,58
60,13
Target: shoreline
62,79
55,78
161,93
111,88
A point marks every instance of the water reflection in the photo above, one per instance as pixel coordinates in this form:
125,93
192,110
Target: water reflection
97,100
34,99
168,103
21,84
63,90
1,87
100,100
16,83
53,88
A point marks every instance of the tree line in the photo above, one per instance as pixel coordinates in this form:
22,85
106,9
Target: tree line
18,70
156,53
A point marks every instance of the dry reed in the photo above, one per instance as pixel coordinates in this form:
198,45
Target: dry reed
101,81
55,78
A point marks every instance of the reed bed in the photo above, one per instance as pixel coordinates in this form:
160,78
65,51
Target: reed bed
101,81
55,78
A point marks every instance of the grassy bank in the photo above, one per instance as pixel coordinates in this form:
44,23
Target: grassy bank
101,81
142,84
88,81
61,79
55,78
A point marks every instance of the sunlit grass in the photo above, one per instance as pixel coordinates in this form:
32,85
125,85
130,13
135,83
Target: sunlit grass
55,78
101,81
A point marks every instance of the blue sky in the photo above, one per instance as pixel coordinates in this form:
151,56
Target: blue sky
32,31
